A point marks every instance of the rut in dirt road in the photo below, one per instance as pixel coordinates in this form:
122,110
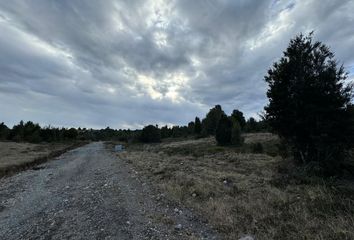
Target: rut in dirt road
88,193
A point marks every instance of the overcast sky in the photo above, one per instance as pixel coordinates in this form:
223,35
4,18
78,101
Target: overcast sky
130,63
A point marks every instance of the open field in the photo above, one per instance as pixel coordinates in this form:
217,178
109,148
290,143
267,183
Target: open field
16,156
243,193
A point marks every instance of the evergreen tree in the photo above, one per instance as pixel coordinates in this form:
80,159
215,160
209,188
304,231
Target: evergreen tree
238,116
236,138
197,126
191,127
223,130
211,120
308,103
17,132
251,125
4,131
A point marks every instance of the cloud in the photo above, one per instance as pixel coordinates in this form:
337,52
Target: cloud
131,63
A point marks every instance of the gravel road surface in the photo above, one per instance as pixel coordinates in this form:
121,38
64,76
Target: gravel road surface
89,193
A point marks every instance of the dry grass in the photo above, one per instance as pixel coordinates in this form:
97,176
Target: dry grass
260,137
239,192
17,156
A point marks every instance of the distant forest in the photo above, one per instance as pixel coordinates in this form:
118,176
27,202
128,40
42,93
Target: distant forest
34,133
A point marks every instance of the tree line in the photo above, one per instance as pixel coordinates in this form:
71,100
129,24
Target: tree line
34,133
226,129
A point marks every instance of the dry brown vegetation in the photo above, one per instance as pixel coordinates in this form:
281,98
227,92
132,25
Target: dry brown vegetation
240,192
18,156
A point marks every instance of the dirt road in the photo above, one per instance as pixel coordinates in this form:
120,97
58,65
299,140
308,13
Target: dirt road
88,193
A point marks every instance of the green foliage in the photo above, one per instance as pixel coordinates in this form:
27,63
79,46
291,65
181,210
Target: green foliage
308,103
179,131
31,132
4,131
166,132
210,122
49,134
191,127
237,115
71,134
17,132
197,126
236,138
253,126
150,134
223,130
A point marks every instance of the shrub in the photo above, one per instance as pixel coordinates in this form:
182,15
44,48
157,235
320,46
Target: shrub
150,134
197,126
31,132
165,132
223,131
237,115
236,138
71,134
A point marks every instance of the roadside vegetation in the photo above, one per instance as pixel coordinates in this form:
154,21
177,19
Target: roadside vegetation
296,183
248,190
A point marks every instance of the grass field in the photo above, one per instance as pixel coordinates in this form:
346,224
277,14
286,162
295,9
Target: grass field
240,192
18,156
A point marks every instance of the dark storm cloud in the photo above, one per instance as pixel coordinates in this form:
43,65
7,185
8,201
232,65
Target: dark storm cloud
130,63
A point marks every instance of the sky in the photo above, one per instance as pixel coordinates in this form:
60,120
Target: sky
126,64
